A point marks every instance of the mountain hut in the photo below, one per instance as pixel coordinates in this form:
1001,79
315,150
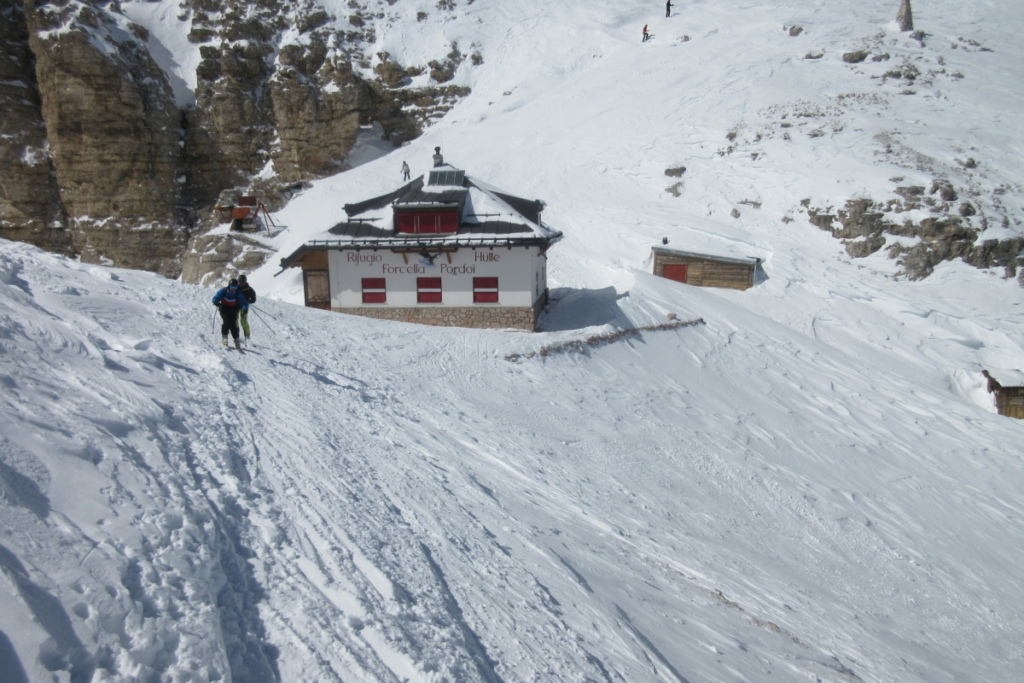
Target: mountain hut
443,249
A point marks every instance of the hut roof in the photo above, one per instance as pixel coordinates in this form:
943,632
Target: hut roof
1008,378
488,217
750,261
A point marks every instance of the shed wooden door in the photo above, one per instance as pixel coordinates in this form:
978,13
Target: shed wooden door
318,288
1011,402
675,271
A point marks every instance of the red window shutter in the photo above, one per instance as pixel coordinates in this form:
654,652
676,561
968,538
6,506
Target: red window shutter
485,290
405,222
428,290
449,222
375,290
427,222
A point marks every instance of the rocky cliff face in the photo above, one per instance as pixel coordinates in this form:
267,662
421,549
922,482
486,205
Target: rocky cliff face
30,206
114,136
100,160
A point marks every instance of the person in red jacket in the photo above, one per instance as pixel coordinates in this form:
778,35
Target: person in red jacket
230,301
645,33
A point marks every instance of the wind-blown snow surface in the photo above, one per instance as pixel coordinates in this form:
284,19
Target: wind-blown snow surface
812,484
358,500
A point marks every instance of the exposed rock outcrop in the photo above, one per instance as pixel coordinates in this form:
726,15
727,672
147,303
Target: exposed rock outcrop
114,135
30,206
863,225
318,103
99,160
213,259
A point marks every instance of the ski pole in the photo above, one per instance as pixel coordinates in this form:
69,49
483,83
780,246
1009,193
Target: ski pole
273,317
269,327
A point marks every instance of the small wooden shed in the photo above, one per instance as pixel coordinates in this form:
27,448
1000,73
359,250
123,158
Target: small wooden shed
705,270
1010,402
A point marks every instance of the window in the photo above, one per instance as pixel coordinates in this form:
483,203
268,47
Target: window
453,177
427,222
485,290
428,290
407,223
375,290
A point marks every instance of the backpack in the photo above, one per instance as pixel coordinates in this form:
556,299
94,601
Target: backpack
230,298
249,293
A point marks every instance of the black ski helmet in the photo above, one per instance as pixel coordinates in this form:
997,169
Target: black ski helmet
233,283
242,279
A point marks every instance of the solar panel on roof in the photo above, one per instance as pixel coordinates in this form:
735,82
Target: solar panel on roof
453,178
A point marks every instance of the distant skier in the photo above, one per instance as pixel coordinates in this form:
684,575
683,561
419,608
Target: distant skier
668,9
646,35
250,296
405,171
230,301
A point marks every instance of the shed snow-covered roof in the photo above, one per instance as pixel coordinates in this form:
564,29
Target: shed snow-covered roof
749,261
1008,377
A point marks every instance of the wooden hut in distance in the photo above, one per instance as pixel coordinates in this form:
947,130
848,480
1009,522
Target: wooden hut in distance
1009,400
704,270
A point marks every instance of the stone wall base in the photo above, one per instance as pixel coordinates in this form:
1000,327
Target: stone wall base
520,318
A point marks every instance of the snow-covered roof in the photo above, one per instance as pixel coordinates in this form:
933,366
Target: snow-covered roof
750,261
487,217
1008,377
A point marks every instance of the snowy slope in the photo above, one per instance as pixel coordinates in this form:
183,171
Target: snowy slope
351,499
810,485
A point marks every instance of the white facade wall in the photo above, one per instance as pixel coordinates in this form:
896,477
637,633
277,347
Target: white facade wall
521,273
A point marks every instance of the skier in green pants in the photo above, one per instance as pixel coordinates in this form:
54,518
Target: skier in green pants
250,295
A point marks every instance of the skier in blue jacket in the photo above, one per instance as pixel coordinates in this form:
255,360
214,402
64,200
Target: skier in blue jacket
230,301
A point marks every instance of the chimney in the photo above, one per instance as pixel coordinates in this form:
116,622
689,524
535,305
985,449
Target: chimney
438,159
